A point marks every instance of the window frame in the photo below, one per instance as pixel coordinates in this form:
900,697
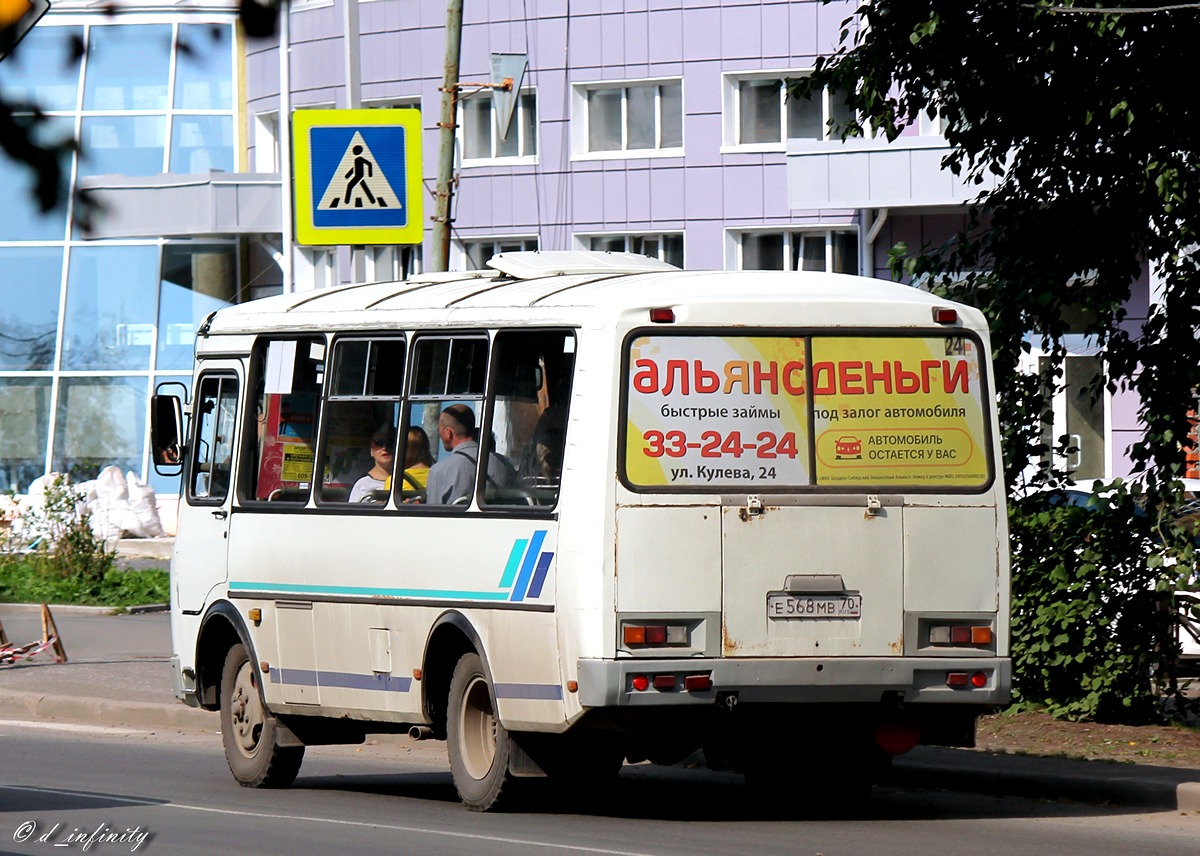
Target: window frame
520,124
581,124
736,246
588,242
221,377
732,110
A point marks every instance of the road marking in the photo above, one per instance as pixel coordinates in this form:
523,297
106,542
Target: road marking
420,830
67,726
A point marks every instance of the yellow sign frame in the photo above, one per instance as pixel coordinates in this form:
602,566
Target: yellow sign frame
308,231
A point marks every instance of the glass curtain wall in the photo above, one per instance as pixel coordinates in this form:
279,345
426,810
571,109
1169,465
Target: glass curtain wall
88,328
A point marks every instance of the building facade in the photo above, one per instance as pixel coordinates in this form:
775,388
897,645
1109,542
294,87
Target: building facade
660,127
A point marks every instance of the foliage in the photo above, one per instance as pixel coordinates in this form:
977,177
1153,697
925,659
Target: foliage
25,582
1076,119
57,558
1081,121
1093,624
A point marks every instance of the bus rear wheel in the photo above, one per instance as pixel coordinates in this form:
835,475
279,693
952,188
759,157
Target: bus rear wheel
478,745
248,729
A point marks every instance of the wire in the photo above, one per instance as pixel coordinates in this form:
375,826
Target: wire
1111,10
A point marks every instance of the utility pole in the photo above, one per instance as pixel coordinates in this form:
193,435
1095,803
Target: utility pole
445,175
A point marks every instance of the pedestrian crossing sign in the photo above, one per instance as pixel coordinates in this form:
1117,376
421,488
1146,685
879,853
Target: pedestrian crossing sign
357,177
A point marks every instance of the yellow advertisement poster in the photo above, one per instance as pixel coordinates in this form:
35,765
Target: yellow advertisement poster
901,410
717,411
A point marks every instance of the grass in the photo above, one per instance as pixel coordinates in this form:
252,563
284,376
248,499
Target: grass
30,581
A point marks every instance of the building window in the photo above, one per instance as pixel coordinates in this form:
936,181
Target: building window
24,429
109,317
30,292
667,247
393,262
197,279
475,253
142,99
481,133
100,421
829,250
637,117
760,113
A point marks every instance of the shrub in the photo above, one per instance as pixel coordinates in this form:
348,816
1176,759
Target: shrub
1094,627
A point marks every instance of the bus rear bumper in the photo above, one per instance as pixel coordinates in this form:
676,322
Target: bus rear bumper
913,680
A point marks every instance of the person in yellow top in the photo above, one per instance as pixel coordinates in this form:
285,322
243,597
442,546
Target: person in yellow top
417,460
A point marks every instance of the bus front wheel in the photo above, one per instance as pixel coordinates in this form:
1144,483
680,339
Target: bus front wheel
248,729
478,745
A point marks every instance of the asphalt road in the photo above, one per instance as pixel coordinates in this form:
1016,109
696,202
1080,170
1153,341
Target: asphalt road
169,792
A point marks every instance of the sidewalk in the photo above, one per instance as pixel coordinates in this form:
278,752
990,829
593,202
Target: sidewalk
119,674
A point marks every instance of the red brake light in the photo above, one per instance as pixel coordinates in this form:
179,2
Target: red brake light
979,680
697,683
662,315
944,315
641,682
664,682
953,679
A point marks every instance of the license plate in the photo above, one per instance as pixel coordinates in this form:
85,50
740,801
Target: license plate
814,606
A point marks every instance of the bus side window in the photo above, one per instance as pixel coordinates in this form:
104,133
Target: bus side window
447,370
289,374
212,446
362,408
532,387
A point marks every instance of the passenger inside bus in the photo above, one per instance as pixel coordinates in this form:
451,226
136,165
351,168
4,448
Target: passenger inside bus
377,477
452,478
417,461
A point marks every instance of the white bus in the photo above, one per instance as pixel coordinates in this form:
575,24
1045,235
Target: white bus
751,513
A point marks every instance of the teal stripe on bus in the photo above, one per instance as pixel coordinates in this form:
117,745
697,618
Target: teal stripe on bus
361,591
514,562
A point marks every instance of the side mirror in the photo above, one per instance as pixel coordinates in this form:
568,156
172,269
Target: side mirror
166,434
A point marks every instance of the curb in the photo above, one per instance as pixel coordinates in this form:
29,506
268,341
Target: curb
1095,782
27,705
76,609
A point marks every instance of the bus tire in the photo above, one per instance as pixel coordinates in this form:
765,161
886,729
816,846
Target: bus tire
248,729
478,745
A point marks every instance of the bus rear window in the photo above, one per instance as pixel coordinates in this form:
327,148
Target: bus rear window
780,412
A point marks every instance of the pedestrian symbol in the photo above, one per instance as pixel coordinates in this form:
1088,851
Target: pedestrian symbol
357,182
358,177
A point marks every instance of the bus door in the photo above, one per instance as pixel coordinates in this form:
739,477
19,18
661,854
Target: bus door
812,576
201,545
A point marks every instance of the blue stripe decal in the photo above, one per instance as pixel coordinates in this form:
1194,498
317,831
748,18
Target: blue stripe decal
297,588
341,680
539,575
537,692
535,545
514,562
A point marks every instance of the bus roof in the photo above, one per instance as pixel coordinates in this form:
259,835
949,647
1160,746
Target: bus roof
561,288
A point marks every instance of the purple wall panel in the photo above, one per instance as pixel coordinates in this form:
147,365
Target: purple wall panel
637,197
612,45
666,193
776,32
584,43
741,32
666,28
614,195
637,37
702,89
703,193
701,136
702,34
548,45
588,199
742,192
775,197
